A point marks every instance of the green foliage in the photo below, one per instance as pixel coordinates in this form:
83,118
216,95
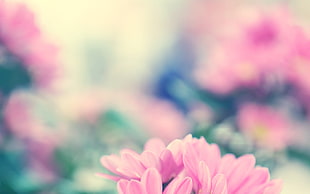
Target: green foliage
13,75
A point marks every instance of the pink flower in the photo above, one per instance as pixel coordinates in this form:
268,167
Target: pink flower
18,118
297,73
260,45
36,138
207,18
267,40
212,173
266,126
225,73
20,35
160,118
84,106
203,170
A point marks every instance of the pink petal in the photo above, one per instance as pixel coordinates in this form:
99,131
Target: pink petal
150,160
226,163
219,185
152,182
210,154
204,178
275,187
111,162
113,178
178,185
188,138
134,187
185,186
132,162
258,176
129,173
240,170
155,145
168,165
190,159
122,186
176,147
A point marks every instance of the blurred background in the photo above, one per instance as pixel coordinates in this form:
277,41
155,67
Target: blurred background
82,79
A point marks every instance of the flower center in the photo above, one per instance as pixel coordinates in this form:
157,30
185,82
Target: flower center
264,34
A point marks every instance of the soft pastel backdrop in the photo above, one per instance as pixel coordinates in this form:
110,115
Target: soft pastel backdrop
119,45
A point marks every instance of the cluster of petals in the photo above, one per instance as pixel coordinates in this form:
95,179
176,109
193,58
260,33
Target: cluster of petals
263,44
265,125
20,35
187,166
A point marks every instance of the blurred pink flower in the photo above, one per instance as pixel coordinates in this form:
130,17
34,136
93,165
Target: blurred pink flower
160,118
201,113
38,141
156,118
298,76
266,40
203,170
261,44
205,19
21,36
84,106
297,72
41,157
224,74
18,118
264,125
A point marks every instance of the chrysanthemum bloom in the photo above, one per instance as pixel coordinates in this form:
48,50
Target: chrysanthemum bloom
266,126
200,169
267,39
21,38
260,46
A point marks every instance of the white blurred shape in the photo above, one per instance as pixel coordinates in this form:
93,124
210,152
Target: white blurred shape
295,177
